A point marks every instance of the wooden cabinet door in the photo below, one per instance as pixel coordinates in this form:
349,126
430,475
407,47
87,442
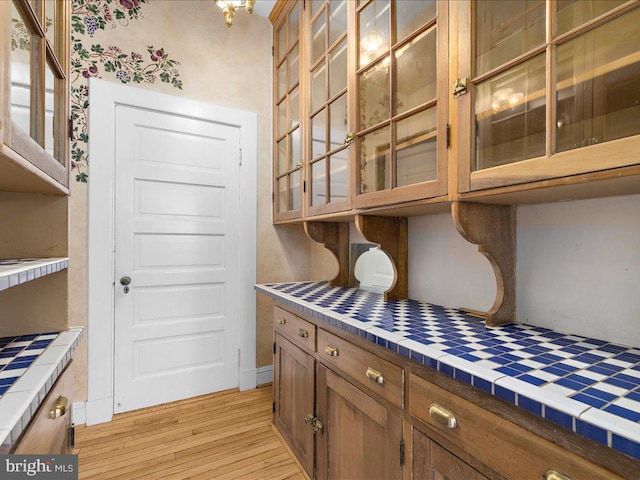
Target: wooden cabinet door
293,393
432,462
360,438
545,108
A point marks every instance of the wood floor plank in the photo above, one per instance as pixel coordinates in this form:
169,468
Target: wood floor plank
222,436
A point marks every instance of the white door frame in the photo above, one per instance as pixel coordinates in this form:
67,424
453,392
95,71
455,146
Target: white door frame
103,98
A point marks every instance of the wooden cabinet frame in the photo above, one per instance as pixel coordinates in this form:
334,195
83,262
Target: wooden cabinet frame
600,161
280,17
24,164
488,426
431,189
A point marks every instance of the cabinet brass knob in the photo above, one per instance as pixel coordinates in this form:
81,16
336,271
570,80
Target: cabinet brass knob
60,408
442,416
331,350
303,333
553,475
281,321
375,375
309,417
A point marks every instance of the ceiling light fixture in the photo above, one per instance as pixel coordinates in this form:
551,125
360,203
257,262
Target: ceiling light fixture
229,8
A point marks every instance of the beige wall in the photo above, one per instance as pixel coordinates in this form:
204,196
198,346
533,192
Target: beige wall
225,66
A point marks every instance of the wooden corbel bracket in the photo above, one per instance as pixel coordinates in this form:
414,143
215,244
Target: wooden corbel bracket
391,235
335,238
493,229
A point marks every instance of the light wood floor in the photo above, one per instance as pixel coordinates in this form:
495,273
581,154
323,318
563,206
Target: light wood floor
226,435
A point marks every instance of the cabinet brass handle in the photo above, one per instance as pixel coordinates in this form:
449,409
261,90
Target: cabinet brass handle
303,333
375,375
281,321
553,475
331,350
443,416
60,409
309,417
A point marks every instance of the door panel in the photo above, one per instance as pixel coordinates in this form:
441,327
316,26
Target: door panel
294,386
432,462
360,439
177,224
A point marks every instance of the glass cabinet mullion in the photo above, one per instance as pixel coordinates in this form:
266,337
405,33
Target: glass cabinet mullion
397,82
546,88
327,116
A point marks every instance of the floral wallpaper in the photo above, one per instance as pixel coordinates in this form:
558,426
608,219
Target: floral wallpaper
93,59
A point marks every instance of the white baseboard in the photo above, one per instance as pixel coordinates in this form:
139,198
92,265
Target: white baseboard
247,379
79,413
98,411
264,375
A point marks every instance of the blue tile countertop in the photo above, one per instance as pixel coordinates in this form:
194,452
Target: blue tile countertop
587,385
29,366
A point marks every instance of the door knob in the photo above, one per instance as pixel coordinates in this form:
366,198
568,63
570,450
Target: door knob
125,281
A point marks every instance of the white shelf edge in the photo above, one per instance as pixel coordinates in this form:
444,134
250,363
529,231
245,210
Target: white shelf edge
25,270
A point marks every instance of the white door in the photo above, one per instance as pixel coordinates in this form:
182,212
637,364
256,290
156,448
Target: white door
177,239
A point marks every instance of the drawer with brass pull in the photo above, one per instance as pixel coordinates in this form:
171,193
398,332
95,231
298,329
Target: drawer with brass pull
379,375
496,442
48,432
295,329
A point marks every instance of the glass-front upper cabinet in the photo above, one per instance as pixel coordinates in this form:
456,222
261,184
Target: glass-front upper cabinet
401,80
36,78
287,113
328,119
546,89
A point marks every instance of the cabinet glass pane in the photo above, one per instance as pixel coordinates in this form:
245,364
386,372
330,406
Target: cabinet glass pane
506,30
20,71
294,109
510,115
374,37
338,122
339,176
318,87
50,21
374,161
315,6
294,67
598,84
295,190
282,117
282,41
573,13
283,165
294,148
337,20
319,182
411,15
338,69
49,109
416,72
282,80
374,94
318,40
319,134
416,148
294,25
283,194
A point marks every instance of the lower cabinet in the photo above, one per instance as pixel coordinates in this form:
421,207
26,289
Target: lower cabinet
360,438
294,388
432,462
349,414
